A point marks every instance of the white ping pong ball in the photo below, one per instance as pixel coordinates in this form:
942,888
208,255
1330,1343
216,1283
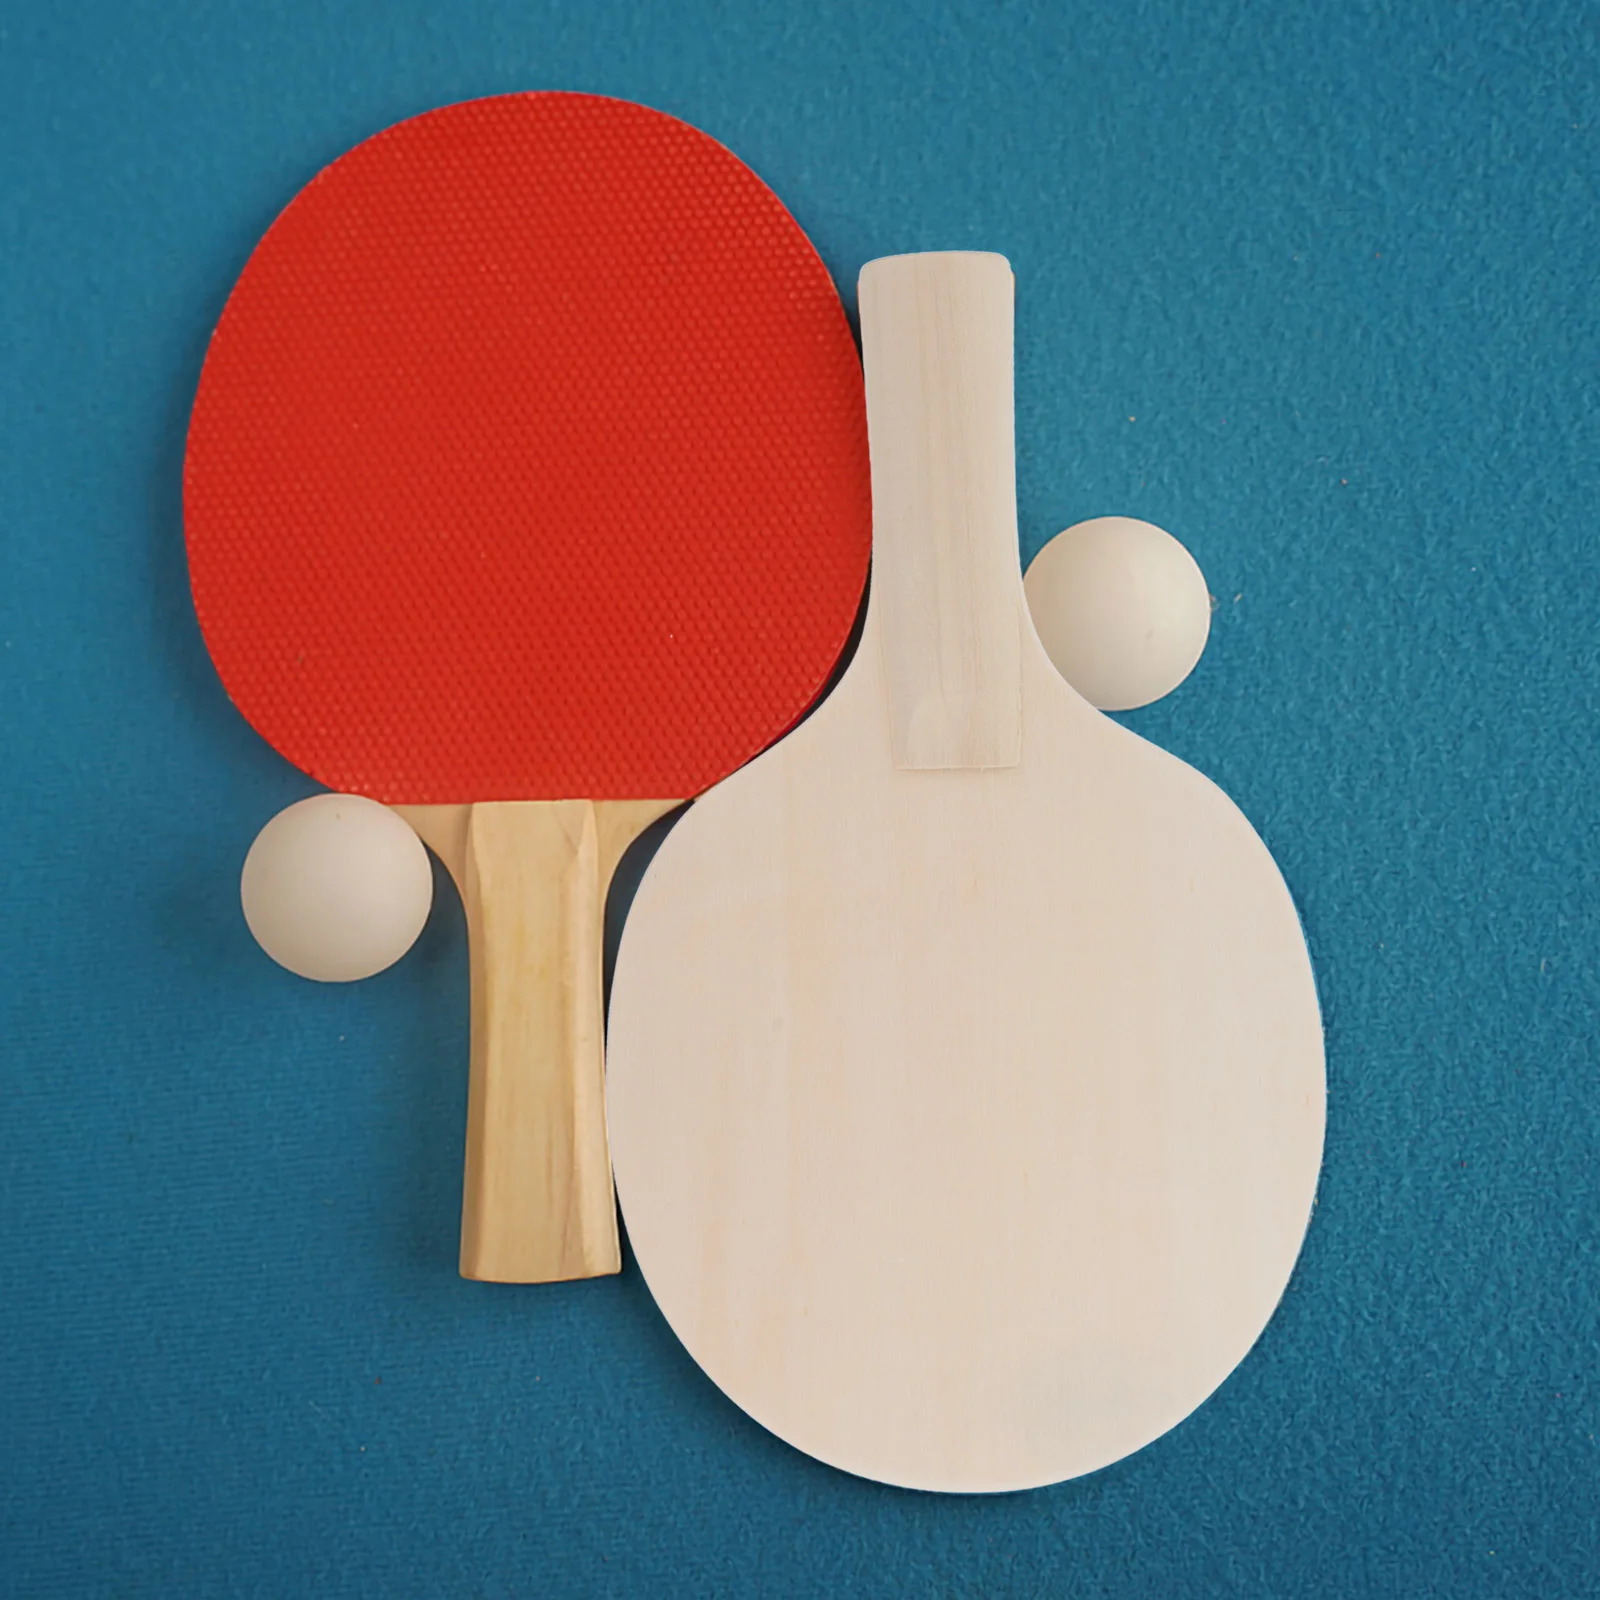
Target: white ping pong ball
336,888
1121,609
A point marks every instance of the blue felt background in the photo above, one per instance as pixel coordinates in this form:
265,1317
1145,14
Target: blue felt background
1312,285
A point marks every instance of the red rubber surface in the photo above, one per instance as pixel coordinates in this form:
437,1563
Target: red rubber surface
529,462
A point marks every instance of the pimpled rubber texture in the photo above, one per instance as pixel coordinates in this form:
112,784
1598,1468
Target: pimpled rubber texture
529,462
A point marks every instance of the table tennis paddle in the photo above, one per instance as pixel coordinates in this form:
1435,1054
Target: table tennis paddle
527,491
965,1068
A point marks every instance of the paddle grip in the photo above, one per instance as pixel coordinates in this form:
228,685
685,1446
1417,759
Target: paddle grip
537,1202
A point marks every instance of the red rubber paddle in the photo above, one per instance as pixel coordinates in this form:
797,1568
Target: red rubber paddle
527,491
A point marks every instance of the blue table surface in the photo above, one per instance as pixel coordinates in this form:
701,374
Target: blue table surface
1312,286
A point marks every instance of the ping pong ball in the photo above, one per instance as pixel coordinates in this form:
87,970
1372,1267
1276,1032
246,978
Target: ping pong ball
1121,609
336,888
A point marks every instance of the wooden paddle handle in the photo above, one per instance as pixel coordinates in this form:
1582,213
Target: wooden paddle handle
946,573
537,1202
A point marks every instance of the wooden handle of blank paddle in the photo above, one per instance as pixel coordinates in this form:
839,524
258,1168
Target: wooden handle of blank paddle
537,1202
946,574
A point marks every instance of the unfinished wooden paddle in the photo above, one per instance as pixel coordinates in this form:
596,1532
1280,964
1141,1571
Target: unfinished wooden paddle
965,1067
527,491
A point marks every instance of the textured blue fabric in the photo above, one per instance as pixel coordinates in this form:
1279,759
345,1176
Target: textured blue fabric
1311,285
